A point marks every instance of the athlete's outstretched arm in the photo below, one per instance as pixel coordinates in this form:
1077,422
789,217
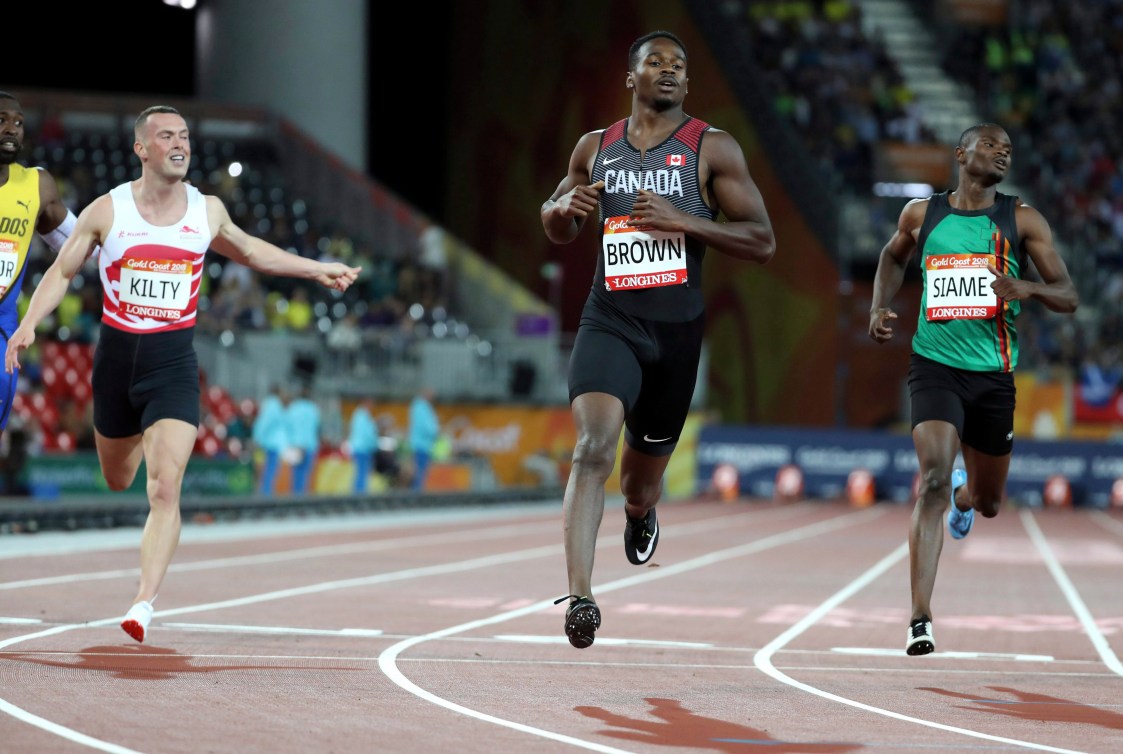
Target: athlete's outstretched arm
88,232
258,254
564,213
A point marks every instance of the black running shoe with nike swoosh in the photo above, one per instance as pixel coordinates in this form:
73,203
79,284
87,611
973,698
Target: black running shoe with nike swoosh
641,537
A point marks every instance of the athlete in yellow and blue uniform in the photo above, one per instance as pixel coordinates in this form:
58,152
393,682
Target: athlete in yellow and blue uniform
29,204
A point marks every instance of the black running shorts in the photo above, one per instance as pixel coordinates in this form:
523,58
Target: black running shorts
979,404
652,367
140,379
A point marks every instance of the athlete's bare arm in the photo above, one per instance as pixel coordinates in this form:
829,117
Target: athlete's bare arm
747,232
564,213
89,231
1056,290
51,209
891,266
258,254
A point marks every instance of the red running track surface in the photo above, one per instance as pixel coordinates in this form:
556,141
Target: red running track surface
758,627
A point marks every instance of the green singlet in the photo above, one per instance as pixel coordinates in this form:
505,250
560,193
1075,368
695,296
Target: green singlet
962,324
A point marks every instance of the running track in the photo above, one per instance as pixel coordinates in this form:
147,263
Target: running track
759,628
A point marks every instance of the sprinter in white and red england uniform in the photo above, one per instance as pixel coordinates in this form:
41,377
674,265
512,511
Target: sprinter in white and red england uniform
154,233
661,180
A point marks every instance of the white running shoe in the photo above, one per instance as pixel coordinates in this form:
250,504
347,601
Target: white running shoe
921,639
137,619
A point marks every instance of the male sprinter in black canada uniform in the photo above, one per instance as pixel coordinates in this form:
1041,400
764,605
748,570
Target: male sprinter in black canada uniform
661,179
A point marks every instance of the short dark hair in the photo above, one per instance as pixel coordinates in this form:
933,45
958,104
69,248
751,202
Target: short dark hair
6,95
633,51
143,117
972,132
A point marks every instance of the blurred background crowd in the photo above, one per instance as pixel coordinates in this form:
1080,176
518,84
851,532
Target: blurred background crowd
864,102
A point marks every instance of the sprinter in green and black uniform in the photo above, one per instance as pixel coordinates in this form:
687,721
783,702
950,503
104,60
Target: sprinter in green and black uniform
658,180
973,246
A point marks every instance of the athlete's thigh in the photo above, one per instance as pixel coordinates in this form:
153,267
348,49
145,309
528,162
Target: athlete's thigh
169,390
167,447
655,423
115,416
989,422
119,457
934,394
986,474
603,361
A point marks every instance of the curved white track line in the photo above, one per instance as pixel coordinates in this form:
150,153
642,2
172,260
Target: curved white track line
1075,602
763,659
388,658
483,562
63,732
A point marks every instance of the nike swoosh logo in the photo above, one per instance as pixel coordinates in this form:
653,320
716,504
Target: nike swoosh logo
649,438
645,553
614,159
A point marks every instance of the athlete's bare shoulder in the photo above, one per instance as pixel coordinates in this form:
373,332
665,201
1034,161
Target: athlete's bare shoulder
913,213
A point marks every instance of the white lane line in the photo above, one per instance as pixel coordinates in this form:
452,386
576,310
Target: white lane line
20,620
882,652
326,586
281,630
284,556
333,551
81,738
530,639
387,660
696,527
63,732
763,659
1107,522
1075,602
341,661
85,541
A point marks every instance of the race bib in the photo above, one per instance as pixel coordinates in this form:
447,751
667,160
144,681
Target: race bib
639,257
958,287
155,288
9,263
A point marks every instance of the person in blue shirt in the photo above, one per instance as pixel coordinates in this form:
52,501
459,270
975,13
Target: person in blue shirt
424,429
362,441
270,433
303,417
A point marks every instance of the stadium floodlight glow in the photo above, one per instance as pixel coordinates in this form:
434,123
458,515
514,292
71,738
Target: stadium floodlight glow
234,169
911,190
185,4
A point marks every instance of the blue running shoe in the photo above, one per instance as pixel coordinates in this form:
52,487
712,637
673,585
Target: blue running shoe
959,522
